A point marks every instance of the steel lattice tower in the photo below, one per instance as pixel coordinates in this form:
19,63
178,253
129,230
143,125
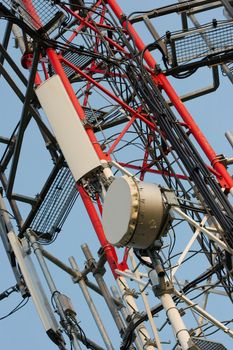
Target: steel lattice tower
99,150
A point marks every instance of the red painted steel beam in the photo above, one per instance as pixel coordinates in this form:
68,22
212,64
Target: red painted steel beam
94,217
80,27
224,179
145,159
107,92
88,24
152,171
35,19
123,132
109,250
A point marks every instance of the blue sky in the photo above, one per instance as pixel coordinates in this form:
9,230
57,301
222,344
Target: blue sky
213,113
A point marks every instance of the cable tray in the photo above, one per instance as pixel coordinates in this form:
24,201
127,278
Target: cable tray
211,39
47,14
203,344
104,120
55,207
78,60
230,67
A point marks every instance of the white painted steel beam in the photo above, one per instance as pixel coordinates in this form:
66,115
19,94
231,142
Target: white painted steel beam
210,235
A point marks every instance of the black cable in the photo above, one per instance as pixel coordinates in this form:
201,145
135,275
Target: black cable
128,337
52,299
201,278
151,47
172,244
185,74
9,142
144,262
190,251
11,215
187,153
84,8
155,45
8,292
205,288
71,343
82,335
17,308
218,329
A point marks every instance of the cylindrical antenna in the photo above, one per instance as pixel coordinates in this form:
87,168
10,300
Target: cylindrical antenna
229,136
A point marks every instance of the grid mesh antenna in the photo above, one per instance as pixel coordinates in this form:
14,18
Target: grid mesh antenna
43,13
200,43
56,206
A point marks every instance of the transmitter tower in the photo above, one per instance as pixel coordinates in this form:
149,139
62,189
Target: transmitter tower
116,212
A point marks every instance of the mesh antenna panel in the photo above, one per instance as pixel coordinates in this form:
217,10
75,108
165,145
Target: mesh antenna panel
56,205
196,44
47,14
203,344
105,119
78,60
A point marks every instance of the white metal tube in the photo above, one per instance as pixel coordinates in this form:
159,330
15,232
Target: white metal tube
50,283
176,321
18,38
202,229
122,169
146,303
130,302
92,307
106,169
104,290
204,305
125,315
229,136
186,250
205,314
33,283
128,274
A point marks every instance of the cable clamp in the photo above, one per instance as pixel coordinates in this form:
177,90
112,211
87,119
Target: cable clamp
220,158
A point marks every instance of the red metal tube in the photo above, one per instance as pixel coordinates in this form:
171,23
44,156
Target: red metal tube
225,179
107,92
77,30
92,27
144,164
95,220
35,19
115,143
152,171
99,204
